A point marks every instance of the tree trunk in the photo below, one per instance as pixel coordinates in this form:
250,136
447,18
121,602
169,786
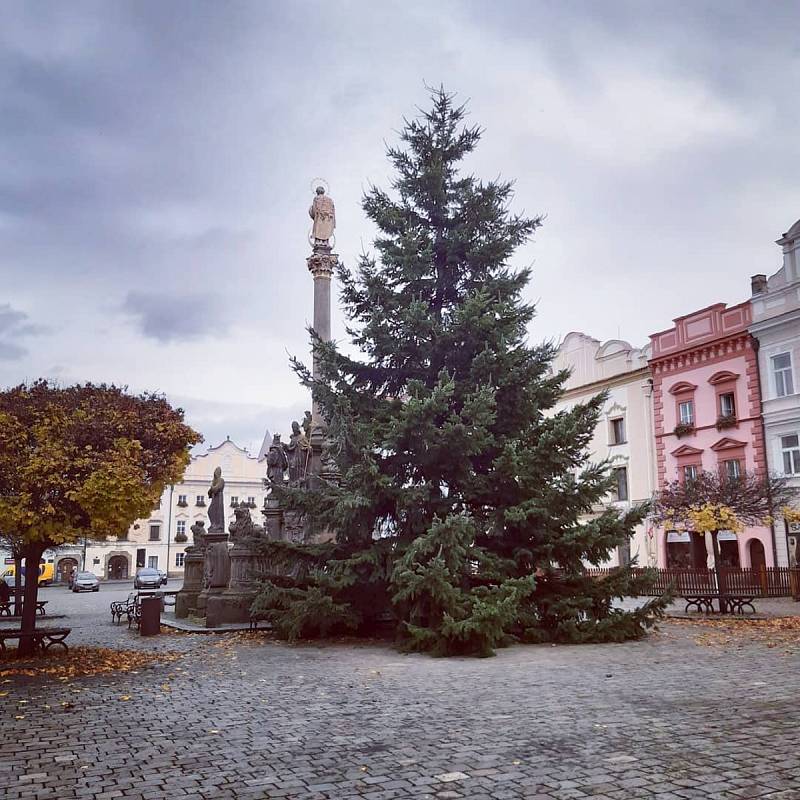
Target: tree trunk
17,584
32,554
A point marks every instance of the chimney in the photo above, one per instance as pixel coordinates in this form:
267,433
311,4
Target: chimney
758,284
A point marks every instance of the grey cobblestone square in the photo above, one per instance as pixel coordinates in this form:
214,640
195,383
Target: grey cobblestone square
662,719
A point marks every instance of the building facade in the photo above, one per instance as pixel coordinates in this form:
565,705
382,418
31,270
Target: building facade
624,433
707,414
776,325
158,540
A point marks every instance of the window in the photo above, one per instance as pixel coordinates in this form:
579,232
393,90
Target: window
782,370
617,430
733,468
179,559
621,476
689,473
157,504
686,412
181,527
727,404
200,500
152,562
790,446
251,501
182,500
155,533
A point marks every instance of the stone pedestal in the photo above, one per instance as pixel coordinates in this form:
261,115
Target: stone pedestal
186,599
233,605
217,572
273,520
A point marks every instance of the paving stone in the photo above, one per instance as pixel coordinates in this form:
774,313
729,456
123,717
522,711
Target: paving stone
338,722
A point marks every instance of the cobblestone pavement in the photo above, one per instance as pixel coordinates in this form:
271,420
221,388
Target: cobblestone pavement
237,717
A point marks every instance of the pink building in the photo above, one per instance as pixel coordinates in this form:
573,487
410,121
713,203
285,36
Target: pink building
707,416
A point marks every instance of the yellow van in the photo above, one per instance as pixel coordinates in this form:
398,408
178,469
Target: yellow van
46,573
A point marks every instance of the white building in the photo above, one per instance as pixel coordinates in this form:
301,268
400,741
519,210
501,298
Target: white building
624,433
151,542
776,325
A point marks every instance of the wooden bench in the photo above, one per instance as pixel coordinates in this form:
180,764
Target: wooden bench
5,608
704,603
43,638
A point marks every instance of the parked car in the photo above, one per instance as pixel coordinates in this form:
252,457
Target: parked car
86,582
163,577
147,578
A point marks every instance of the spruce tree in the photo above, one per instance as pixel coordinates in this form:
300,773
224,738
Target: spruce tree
466,506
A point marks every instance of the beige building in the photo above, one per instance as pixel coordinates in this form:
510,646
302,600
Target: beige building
158,540
776,326
624,434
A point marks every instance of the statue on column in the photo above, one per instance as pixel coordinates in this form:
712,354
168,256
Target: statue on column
298,453
306,423
323,213
216,511
277,462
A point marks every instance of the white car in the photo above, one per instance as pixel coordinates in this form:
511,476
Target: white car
86,582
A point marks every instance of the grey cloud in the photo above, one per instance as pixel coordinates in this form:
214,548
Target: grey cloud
9,351
150,148
168,318
14,326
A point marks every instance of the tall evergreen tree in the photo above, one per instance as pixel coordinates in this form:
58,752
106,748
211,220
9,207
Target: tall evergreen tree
466,506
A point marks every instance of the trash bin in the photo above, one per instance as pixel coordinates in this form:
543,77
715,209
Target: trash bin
151,616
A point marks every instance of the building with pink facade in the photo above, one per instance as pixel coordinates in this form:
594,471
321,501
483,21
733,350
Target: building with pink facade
707,416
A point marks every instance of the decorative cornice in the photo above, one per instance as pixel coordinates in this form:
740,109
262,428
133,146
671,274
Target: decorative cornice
606,383
703,354
686,450
723,376
682,387
726,443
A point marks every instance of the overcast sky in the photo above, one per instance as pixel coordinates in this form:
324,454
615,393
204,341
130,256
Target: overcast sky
156,161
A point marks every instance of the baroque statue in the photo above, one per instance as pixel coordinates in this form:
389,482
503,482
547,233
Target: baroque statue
298,453
198,537
323,213
216,511
243,529
306,423
277,463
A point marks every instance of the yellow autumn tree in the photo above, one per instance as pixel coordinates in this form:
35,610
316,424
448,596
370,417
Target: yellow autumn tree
82,460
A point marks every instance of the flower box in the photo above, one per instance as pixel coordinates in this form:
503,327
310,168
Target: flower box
683,429
726,421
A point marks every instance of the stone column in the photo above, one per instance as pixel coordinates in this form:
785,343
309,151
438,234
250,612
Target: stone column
186,599
217,573
321,264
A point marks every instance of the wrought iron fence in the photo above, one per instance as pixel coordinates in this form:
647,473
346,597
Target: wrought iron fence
760,582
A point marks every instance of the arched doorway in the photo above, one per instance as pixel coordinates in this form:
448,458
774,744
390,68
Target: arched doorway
64,568
118,568
758,560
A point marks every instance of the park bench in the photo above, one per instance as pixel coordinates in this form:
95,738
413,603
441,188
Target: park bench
255,618
120,608
705,602
43,638
7,608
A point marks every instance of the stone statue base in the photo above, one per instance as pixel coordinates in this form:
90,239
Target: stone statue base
186,599
233,605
